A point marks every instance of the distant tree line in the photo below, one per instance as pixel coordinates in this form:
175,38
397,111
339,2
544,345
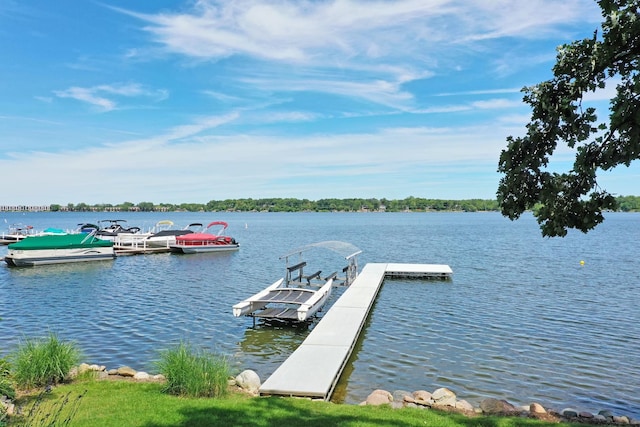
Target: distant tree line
292,205
409,204
628,203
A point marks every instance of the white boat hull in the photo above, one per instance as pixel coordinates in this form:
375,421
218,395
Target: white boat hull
7,239
196,249
284,303
308,309
255,302
161,242
29,258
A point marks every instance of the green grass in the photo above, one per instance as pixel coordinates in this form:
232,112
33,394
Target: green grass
47,410
43,361
6,386
193,373
122,403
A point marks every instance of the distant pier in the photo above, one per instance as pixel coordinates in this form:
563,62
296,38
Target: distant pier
314,368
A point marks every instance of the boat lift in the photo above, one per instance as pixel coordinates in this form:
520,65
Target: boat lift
295,272
297,297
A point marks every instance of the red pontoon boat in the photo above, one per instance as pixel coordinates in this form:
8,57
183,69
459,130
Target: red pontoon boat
206,241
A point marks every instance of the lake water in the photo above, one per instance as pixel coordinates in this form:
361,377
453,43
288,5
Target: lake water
521,319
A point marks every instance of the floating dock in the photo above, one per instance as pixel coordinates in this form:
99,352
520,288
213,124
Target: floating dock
418,271
314,368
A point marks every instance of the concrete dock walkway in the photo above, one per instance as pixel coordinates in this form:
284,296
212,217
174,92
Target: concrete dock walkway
314,368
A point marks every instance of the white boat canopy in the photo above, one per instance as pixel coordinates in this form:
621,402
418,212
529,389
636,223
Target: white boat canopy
344,249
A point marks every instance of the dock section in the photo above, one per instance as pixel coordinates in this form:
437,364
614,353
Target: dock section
418,271
314,368
138,245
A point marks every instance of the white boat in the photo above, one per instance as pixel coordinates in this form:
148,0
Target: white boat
15,233
205,241
116,229
298,297
58,249
164,234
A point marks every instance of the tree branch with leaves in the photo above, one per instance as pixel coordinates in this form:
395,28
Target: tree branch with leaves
574,199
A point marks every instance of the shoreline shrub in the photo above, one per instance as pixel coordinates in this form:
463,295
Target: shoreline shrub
193,373
38,362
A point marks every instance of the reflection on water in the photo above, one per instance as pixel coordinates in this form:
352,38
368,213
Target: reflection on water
522,319
268,339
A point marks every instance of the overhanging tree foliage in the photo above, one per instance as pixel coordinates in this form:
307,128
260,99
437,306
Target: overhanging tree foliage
574,199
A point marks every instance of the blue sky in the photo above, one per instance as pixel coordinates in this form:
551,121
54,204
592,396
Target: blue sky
191,101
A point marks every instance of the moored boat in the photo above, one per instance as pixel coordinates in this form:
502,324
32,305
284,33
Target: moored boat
205,241
164,234
58,249
115,229
298,297
15,233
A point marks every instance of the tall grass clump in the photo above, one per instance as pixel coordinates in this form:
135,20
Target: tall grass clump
39,362
193,373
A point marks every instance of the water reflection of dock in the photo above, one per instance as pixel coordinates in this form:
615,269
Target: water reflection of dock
314,368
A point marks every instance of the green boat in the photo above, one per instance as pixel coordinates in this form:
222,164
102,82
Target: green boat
58,249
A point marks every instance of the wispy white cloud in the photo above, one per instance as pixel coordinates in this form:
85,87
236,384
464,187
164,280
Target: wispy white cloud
97,95
488,104
532,19
481,92
87,95
303,31
29,119
378,91
285,117
173,157
492,104
222,96
45,99
387,43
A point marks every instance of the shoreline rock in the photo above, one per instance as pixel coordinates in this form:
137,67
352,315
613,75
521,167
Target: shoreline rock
444,399
121,373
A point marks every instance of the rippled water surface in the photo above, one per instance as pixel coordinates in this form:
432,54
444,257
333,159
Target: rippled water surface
522,319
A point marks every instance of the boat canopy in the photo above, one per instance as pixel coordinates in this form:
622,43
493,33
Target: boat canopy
60,241
347,250
52,230
344,249
221,223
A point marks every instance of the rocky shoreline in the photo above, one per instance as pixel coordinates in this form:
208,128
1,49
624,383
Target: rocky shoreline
441,399
446,400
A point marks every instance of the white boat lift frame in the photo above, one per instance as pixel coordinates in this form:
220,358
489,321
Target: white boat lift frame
350,272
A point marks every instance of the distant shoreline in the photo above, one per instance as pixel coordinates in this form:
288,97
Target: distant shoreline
409,204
